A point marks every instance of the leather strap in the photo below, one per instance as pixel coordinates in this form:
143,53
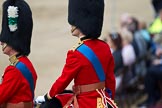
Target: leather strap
87,88
17,105
83,88
71,100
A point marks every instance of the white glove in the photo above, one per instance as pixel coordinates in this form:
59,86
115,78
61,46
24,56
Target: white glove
40,100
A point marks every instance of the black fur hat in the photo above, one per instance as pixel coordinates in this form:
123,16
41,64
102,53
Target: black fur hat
87,15
17,25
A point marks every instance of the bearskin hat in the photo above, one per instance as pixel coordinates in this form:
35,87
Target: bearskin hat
17,25
87,15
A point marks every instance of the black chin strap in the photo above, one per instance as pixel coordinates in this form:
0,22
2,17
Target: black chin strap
73,29
18,55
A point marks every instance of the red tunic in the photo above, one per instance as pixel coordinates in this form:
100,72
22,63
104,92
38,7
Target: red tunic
79,68
14,88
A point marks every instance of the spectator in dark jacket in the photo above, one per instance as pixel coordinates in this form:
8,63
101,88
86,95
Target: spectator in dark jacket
153,80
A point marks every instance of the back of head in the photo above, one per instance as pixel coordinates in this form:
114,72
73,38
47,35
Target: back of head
17,25
133,25
125,19
87,15
116,39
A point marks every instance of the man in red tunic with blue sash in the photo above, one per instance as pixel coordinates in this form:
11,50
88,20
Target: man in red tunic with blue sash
90,63
19,79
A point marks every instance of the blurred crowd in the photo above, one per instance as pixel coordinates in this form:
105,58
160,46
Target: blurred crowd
137,52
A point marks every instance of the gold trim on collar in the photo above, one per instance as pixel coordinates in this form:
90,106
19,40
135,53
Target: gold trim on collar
77,45
86,40
80,42
13,60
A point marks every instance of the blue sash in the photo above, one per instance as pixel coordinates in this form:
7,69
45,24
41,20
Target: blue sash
91,56
27,74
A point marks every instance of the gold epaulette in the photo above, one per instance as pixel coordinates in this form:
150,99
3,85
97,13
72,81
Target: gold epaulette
13,60
77,45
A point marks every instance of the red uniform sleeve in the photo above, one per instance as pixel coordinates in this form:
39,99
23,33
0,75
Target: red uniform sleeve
110,77
68,73
10,84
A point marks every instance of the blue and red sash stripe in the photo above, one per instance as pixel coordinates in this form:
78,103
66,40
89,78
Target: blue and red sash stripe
91,56
27,74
